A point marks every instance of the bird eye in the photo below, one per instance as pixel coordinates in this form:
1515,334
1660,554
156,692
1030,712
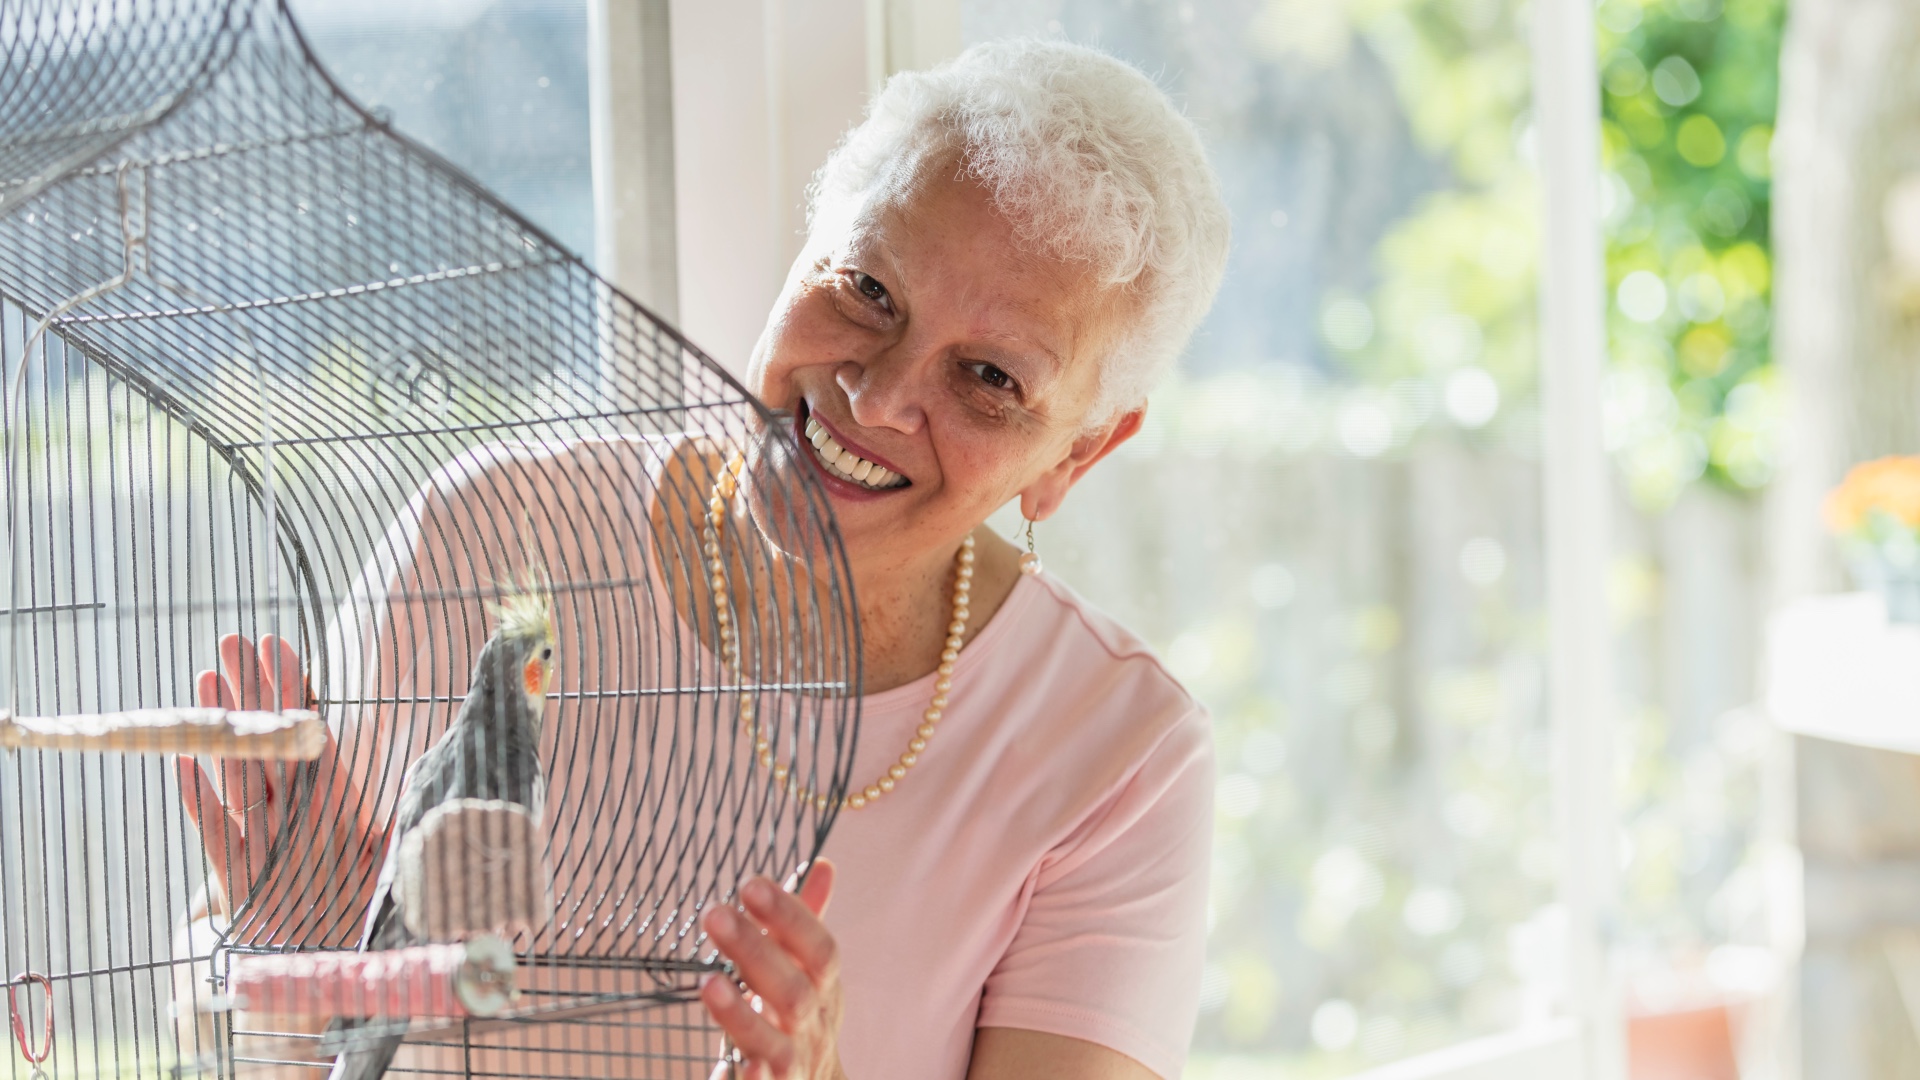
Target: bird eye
546,653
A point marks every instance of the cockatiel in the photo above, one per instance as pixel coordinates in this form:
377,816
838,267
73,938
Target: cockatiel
490,751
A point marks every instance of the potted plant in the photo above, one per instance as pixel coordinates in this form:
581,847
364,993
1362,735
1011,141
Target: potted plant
1875,512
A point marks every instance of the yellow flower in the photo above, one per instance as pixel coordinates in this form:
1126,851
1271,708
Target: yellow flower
1887,488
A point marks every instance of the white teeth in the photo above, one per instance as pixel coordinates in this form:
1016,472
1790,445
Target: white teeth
845,462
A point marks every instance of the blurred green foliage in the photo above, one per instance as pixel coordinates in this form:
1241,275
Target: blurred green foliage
1456,288
1380,886
1378,938
1688,92
1339,551
1689,89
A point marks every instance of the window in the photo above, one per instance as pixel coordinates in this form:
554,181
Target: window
1332,527
498,88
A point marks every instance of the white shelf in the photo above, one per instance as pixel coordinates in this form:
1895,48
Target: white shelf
1836,669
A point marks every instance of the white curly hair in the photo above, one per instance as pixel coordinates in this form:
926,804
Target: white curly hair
1086,157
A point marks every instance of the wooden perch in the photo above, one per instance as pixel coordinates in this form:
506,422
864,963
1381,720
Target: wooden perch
474,866
296,735
477,978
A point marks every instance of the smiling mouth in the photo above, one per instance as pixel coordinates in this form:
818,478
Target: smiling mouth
848,465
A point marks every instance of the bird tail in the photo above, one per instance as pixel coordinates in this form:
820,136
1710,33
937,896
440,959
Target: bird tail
367,1060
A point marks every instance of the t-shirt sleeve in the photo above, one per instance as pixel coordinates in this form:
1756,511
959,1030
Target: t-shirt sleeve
1113,940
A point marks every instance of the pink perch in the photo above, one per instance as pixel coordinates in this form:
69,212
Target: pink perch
474,978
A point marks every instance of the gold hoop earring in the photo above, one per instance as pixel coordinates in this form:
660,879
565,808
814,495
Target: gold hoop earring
1030,559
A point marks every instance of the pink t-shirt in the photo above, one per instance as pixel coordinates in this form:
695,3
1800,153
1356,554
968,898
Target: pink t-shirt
1045,865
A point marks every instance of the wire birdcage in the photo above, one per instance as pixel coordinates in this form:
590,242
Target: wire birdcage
277,379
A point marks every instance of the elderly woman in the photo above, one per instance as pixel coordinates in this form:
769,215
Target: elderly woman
1003,259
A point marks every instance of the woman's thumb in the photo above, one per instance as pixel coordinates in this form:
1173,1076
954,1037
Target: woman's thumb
818,888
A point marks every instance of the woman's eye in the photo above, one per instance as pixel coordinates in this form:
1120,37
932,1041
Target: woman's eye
993,376
870,288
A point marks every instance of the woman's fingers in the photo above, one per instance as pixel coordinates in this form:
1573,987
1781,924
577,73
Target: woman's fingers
763,964
251,787
788,961
209,689
249,784
253,801
760,1042
204,808
209,816
284,688
241,665
244,785
233,828
793,922
280,668
818,888
339,797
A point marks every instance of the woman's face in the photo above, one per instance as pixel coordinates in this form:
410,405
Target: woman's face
943,368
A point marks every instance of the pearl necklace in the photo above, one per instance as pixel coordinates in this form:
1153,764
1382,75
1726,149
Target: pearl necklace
723,489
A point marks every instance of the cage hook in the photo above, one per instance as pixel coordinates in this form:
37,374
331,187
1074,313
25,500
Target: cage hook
133,242
133,247
27,978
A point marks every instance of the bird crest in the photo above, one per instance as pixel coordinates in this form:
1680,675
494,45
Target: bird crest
525,607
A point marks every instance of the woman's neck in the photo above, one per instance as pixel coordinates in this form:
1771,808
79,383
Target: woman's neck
905,609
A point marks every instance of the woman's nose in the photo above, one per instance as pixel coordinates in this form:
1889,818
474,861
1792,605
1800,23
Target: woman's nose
883,392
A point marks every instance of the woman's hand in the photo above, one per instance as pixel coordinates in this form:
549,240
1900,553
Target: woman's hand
791,964
320,888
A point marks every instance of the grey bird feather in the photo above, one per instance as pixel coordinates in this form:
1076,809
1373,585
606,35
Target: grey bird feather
490,751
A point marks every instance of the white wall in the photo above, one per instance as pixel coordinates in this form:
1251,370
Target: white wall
630,95
762,89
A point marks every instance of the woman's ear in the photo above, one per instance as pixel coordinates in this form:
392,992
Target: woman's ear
1040,499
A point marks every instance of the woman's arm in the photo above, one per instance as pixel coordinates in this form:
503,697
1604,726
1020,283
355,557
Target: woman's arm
787,957
1018,1054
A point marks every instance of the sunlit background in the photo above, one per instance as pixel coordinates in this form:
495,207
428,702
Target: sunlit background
1331,526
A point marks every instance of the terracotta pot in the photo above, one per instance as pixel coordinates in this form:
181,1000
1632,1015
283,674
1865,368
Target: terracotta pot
1691,1043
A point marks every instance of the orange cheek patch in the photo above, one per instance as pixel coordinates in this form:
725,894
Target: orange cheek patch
533,677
